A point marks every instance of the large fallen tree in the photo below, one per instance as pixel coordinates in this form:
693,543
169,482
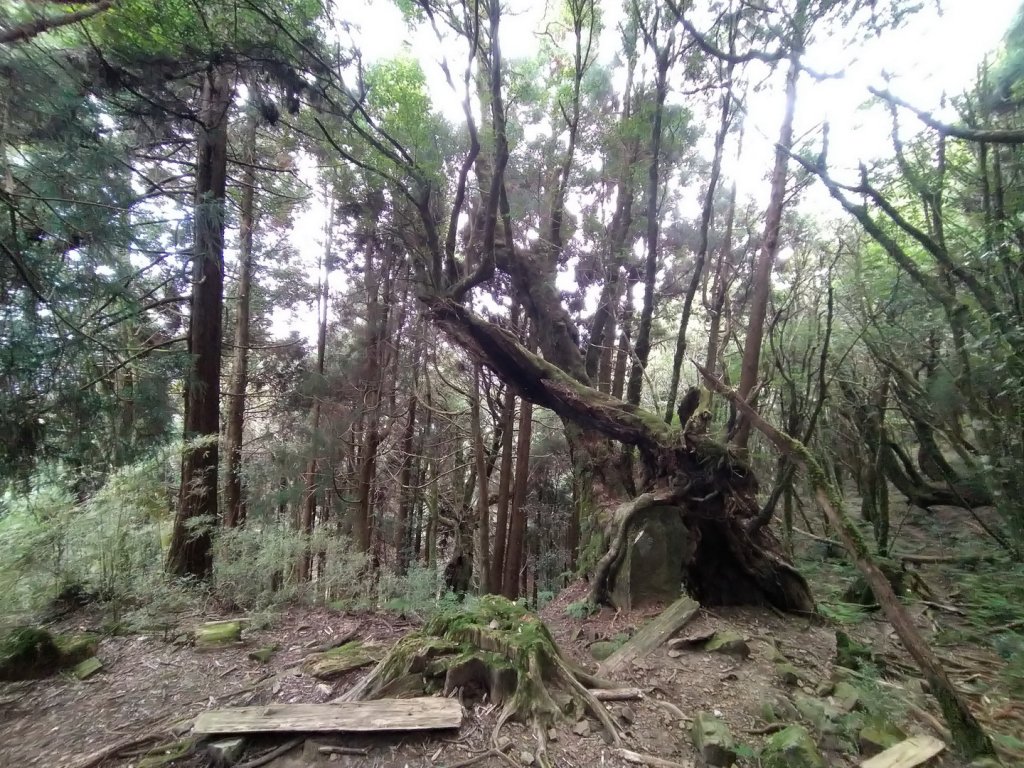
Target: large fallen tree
709,486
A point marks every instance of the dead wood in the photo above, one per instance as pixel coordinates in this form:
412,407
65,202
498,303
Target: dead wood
653,634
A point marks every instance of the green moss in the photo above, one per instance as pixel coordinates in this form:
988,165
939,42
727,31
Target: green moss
337,661
791,747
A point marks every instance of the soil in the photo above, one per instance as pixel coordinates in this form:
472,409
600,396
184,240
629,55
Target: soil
152,685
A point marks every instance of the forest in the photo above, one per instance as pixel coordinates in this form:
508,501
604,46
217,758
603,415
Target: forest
494,382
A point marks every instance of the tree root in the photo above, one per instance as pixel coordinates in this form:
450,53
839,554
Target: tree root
498,648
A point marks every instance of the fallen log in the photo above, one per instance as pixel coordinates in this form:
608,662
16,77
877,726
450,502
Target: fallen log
653,634
969,738
420,714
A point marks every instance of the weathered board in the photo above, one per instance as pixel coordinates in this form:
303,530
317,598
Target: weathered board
420,714
653,634
913,751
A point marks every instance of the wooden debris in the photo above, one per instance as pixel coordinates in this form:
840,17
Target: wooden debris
617,694
87,668
345,658
653,634
913,751
424,713
656,762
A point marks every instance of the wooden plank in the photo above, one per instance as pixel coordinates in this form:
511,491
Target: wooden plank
908,753
651,635
420,714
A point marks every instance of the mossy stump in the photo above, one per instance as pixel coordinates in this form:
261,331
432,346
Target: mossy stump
27,653
498,648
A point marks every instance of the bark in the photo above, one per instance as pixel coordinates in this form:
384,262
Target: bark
762,278
969,738
508,415
234,506
189,553
483,511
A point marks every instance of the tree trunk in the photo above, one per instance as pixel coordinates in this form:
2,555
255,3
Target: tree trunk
234,506
508,416
762,278
189,553
410,463
308,514
517,514
483,510
702,248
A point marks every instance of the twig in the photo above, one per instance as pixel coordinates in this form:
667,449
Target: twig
256,762
330,749
97,757
617,694
640,759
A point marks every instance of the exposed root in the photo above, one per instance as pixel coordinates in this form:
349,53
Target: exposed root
495,647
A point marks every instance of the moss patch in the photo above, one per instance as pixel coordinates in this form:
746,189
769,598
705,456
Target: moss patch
27,653
337,661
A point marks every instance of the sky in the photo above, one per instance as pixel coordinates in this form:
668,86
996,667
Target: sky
933,55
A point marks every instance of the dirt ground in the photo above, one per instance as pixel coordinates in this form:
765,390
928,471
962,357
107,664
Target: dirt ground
152,686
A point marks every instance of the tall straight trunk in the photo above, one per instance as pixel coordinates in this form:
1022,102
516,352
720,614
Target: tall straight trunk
307,516
517,512
234,505
762,279
362,528
483,510
410,463
190,553
508,415
719,287
643,335
702,248
625,338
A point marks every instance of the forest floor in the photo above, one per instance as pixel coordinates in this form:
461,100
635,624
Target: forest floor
152,686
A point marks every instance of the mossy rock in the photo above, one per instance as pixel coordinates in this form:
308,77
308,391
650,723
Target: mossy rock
28,653
788,673
217,634
792,747
337,661
602,649
87,668
728,641
819,713
263,655
847,697
779,709
713,740
850,653
877,736
165,754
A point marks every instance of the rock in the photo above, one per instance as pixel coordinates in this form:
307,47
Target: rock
263,655
87,668
602,649
337,661
825,688
582,728
225,752
772,652
846,696
552,734
627,714
860,593
217,634
780,709
822,715
792,747
787,673
713,740
877,736
651,570
526,758
728,641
